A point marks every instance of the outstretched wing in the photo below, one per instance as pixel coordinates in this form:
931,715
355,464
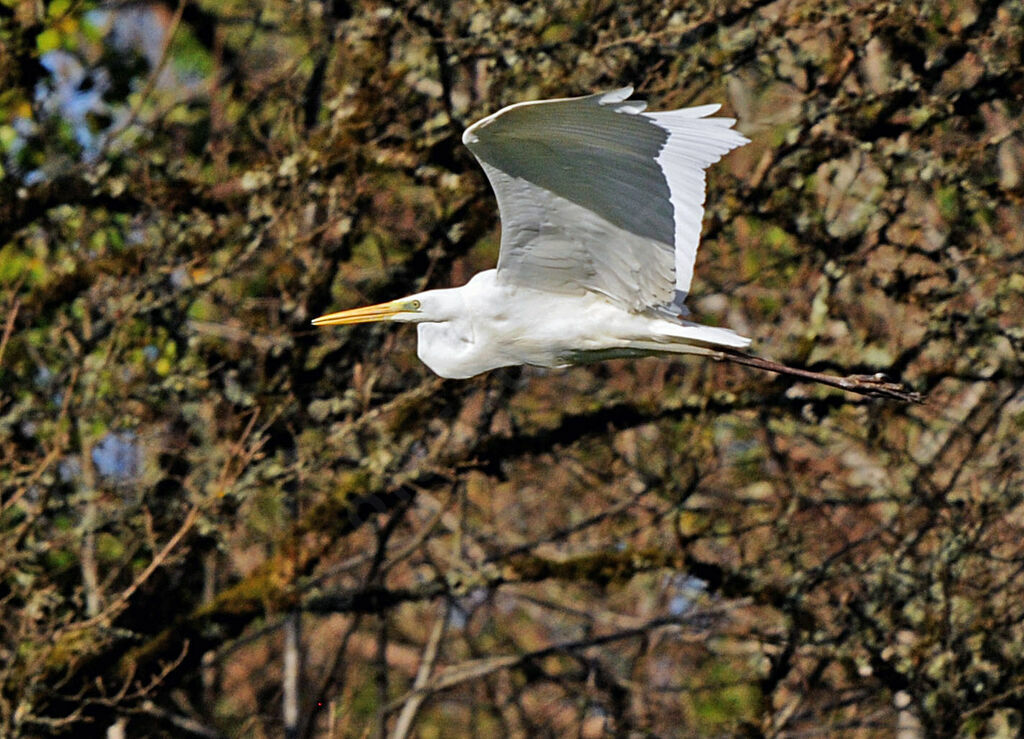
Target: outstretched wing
595,194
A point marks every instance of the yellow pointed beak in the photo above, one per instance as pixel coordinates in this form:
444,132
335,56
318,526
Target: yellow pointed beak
379,312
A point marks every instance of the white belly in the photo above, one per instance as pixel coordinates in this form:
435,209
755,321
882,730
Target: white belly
506,325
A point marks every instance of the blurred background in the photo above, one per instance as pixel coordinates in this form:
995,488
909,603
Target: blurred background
218,521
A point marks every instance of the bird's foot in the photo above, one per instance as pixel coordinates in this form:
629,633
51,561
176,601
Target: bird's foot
880,386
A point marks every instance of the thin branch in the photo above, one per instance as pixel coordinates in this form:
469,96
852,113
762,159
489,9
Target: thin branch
12,316
90,522
115,607
133,115
182,723
381,673
408,714
292,673
478,668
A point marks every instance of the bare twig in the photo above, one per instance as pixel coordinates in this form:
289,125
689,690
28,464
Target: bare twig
478,668
381,673
332,676
154,76
182,723
425,389
117,605
292,673
430,652
90,522
51,456
12,316
243,453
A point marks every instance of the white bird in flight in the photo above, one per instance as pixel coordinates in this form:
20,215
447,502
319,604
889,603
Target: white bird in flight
601,205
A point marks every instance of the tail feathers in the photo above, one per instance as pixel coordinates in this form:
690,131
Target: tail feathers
669,338
709,335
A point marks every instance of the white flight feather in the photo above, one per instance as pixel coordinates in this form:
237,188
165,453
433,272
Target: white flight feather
596,194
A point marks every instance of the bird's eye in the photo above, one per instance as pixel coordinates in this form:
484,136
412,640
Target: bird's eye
414,304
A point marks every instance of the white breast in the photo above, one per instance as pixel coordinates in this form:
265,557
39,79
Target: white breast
450,351
500,325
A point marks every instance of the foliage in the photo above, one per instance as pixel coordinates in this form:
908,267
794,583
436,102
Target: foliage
653,547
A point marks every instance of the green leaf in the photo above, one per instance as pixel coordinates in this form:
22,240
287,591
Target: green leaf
48,40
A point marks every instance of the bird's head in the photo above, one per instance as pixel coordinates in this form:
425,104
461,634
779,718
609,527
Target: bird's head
432,306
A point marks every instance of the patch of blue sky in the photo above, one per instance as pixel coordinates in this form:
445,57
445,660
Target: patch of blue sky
75,88
116,456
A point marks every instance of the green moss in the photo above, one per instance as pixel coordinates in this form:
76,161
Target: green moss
109,548
189,54
17,265
948,200
70,646
58,560
362,707
559,33
733,699
204,308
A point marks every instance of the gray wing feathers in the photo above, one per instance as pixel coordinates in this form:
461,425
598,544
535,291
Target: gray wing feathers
597,195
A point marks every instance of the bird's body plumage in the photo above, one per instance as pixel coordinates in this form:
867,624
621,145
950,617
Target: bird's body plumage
497,324
601,207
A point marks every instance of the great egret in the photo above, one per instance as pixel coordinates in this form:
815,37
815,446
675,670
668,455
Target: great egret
601,206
